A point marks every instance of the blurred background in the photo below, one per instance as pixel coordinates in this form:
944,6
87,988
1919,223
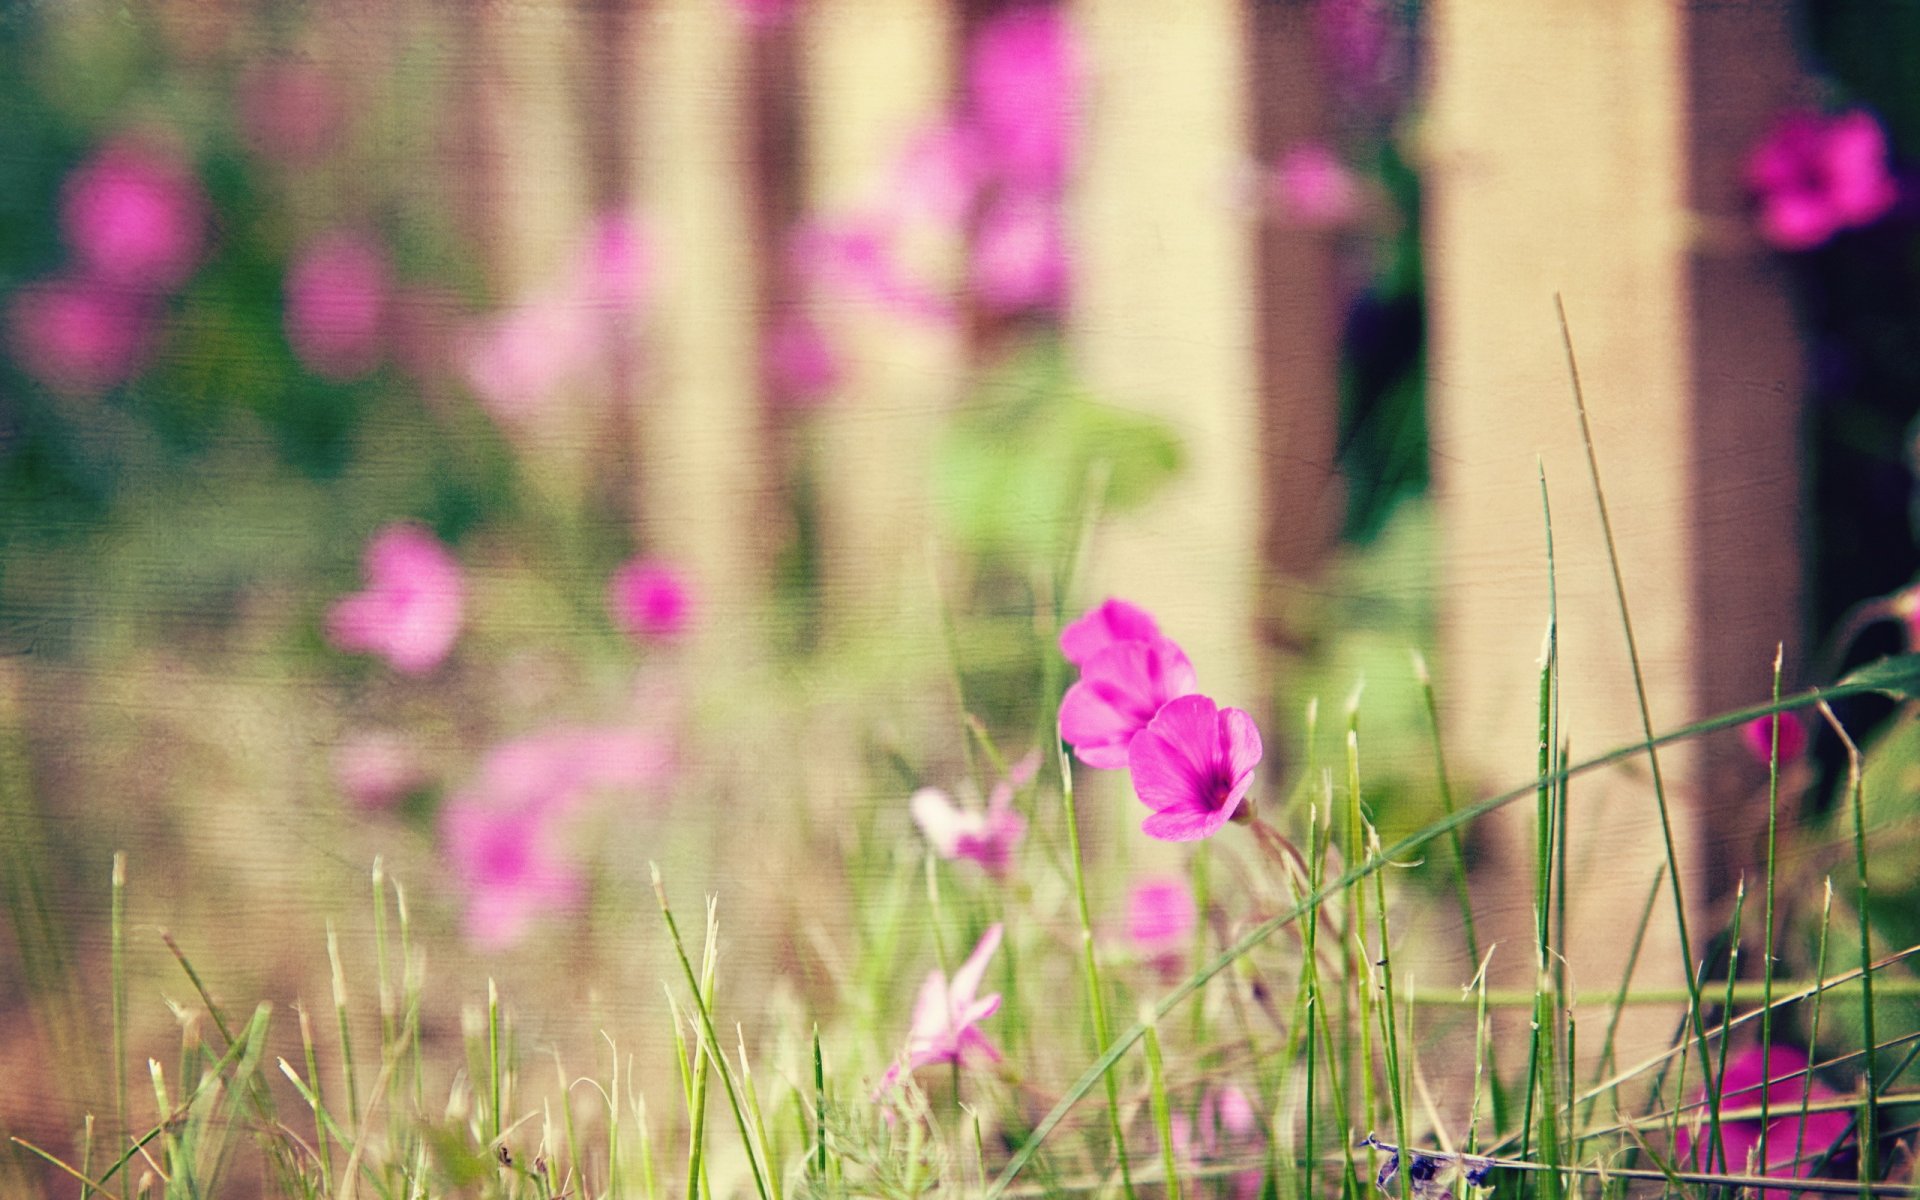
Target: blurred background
517,441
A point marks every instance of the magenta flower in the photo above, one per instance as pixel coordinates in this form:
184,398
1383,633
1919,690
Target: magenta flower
377,770
1119,691
614,268
944,1016
1757,736
1815,176
1023,76
78,335
509,867
1161,917
1098,628
551,771
801,365
337,300
1019,259
1793,1145
409,612
986,837
938,175
859,257
1310,187
134,215
1192,765
651,600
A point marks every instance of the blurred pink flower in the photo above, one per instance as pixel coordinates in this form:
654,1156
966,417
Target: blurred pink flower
1098,628
651,600
764,14
986,837
802,367
856,256
1357,42
1793,1145
1193,765
1119,691
938,174
1023,78
377,769
944,1016
516,360
337,301
409,613
1224,1127
289,112
1815,176
78,334
1310,187
507,864
552,770
1757,736
1160,916
1019,256
134,215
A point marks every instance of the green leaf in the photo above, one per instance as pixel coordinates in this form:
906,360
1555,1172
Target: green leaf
1897,677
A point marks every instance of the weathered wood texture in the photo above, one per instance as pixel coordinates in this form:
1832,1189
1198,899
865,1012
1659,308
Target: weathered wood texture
1563,162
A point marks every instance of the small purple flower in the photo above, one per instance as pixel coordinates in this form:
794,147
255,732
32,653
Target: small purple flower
337,297
1019,259
1160,918
1193,765
986,837
1119,691
1815,176
78,335
134,215
1757,736
945,1014
1023,77
1098,628
509,867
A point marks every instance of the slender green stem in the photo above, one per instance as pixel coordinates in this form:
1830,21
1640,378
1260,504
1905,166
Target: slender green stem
1390,1037
1769,933
118,954
1162,1113
1856,791
346,1034
1091,966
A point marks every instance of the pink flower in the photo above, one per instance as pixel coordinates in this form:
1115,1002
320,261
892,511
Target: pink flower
938,175
1019,256
1160,916
1023,76
1224,1127
409,612
1815,176
1098,628
1312,188
1793,1145
337,299
78,335
376,770
1119,691
1757,736
945,1014
802,367
858,257
289,112
987,838
508,866
551,771
1192,765
134,215
614,268
650,600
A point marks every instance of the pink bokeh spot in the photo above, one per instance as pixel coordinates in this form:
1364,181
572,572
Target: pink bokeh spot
505,861
1757,736
377,769
1793,1145
988,837
945,1015
1815,176
1160,915
802,367
1023,77
1100,627
1019,256
1193,765
651,600
1121,689
338,294
1311,188
134,216
78,335
409,613
1224,1127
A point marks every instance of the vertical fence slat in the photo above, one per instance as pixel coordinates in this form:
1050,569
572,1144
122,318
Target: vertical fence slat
1163,314
699,458
876,71
1562,163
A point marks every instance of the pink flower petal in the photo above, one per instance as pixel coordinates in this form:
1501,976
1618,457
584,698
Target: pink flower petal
1119,691
1193,764
1098,628
651,600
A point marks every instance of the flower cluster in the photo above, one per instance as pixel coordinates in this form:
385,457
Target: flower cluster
134,221
1137,705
